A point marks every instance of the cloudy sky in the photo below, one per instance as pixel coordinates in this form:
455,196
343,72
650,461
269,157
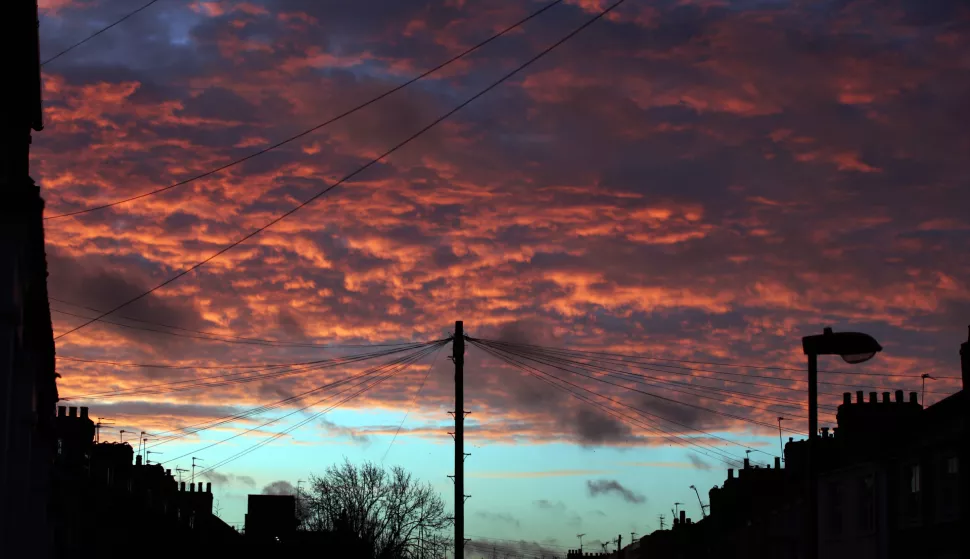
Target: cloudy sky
690,179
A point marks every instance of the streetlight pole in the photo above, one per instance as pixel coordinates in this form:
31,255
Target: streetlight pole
853,347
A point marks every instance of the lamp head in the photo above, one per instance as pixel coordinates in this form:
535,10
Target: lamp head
853,347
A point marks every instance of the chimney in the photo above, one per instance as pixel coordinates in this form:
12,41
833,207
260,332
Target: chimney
899,396
208,487
747,463
825,432
182,486
683,517
168,472
913,397
72,411
846,398
138,460
192,487
84,412
835,432
730,473
872,398
885,397
858,397
965,360
777,462
61,411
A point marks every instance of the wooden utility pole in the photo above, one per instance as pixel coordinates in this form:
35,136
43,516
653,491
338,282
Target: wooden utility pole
458,356
28,393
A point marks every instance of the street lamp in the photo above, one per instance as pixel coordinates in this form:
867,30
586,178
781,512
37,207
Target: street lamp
853,347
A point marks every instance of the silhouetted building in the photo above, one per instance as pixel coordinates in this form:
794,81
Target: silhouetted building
106,505
271,518
892,484
28,392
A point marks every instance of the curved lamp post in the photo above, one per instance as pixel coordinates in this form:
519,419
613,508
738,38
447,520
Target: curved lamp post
853,347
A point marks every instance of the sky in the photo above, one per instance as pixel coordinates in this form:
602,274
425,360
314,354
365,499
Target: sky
697,180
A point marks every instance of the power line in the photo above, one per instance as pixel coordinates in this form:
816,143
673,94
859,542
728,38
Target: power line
404,360
688,404
96,33
198,427
740,365
313,417
216,336
237,378
342,115
372,162
616,358
723,456
692,386
413,402
180,367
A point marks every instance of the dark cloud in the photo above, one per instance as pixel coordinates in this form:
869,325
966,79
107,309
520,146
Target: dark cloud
279,488
698,462
229,479
501,518
596,428
608,486
342,431
549,505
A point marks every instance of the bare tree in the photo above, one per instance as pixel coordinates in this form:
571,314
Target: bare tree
380,513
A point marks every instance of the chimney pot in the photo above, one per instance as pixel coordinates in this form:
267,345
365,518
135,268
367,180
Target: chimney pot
138,460
61,411
858,396
730,473
182,486
899,396
683,517
208,487
872,398
72,411
777,462
192,487
825,432
885,397
747,463
84,412
846,398
913,398
168,472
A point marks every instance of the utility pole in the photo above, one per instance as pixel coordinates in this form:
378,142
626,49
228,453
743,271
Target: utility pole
458,356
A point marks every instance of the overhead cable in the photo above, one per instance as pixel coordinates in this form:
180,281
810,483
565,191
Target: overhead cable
372,162
332,120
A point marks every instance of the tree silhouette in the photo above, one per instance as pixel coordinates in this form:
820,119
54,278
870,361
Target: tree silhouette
373,512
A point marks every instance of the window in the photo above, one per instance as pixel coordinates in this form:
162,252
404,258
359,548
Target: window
914,479
867,503
913,492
